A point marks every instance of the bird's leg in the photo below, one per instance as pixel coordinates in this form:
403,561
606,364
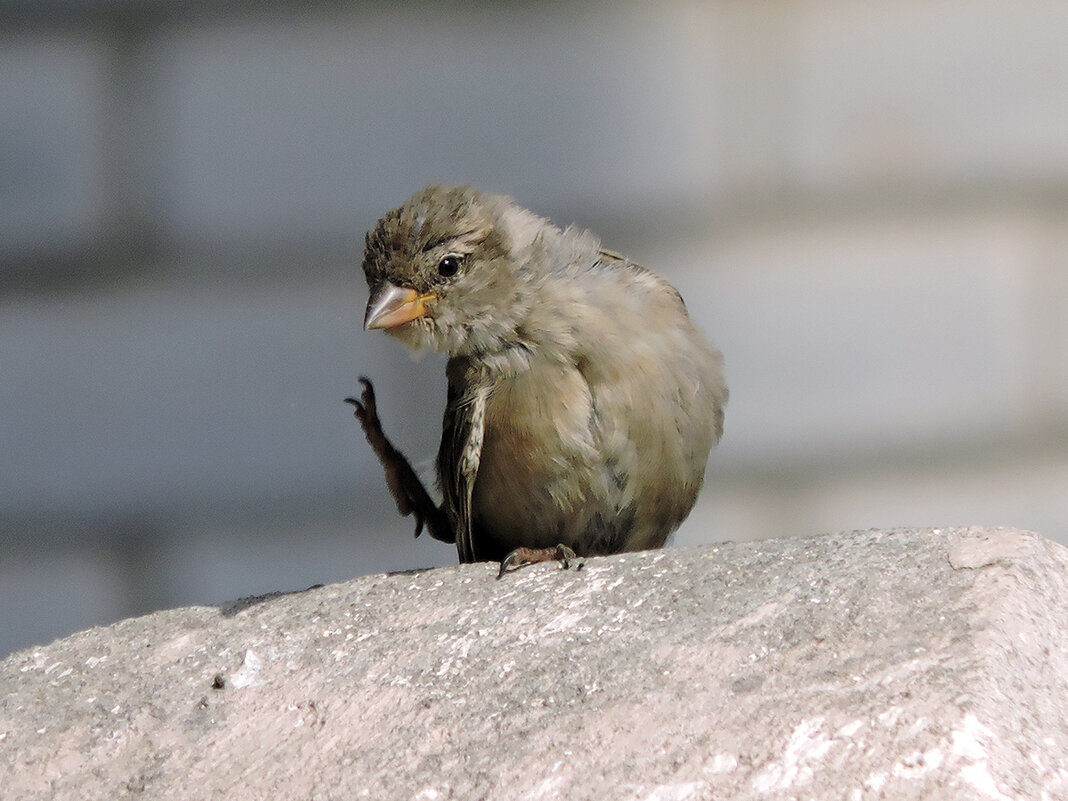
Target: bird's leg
404,485
529,556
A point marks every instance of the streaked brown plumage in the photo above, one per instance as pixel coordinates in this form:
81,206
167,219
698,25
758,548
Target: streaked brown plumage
582,401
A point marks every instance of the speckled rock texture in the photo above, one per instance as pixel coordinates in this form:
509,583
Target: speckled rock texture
910,664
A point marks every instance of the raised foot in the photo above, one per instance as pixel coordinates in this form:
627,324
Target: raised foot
366,410
531,556
404,485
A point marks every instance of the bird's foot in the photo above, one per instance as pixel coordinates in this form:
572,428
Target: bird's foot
407,490
530,556
366,411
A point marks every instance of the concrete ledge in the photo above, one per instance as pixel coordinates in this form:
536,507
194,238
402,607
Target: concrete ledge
885,664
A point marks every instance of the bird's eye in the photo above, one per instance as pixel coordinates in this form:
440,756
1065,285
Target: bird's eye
448,266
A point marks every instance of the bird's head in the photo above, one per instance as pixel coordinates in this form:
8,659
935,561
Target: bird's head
441,271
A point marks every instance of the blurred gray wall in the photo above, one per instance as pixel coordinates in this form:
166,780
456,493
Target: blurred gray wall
864,205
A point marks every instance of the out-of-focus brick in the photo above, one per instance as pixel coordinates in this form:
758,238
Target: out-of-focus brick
52,91
49,595
314,128
1050,332
1029,492
853,336
916,93
179,398
210,562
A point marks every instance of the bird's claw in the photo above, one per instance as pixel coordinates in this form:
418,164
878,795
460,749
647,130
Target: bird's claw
366,409
404,485
521,557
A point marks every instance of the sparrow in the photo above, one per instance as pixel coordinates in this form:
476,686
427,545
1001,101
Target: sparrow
582,401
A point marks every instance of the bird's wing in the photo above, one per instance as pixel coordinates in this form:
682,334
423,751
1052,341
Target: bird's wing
460,454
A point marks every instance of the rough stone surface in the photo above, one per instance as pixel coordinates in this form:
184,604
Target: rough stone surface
910,664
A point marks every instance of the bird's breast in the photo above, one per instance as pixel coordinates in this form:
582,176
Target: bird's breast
538,456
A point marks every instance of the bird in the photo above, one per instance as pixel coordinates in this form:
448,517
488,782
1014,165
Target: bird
582,401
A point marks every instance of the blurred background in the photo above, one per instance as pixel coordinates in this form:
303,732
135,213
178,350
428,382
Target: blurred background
864,205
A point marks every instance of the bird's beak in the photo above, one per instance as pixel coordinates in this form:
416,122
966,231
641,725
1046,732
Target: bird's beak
391,305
